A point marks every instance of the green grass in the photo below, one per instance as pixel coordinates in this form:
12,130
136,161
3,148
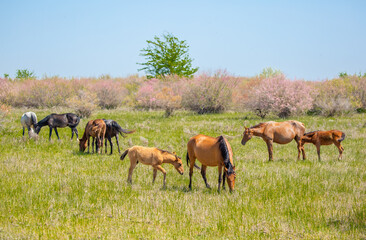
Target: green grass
48,190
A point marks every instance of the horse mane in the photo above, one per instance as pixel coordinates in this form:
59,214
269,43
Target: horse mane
34,119
225,155
310,133
259,125
165,151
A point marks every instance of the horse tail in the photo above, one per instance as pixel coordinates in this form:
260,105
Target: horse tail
187,158
225,155
342,138
34,119
120,129
124,155
188,161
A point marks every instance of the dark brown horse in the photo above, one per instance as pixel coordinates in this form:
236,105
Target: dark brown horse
278,132
319,138
96,129
113,129
54,121
211,152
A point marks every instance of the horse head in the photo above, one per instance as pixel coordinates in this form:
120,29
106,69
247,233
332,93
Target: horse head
178,164
247,135
82,145
230,176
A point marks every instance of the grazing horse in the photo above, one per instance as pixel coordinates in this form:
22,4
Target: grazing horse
29,121
154,157
96,129
211,152
278,132
55,121
113,129
319,138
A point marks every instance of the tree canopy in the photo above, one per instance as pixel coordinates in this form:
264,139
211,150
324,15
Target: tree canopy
167,56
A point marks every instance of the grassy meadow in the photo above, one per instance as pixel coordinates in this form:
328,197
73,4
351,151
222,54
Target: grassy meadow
49,190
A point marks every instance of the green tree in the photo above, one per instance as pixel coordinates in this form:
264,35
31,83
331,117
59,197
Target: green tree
270,72
167,56
24,74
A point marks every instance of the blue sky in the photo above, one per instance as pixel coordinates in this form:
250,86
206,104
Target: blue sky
311,40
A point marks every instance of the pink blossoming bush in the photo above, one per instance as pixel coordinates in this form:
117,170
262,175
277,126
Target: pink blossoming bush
158,94
209,94
280,96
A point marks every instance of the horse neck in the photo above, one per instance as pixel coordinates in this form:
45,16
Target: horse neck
258,131
85,137
168,158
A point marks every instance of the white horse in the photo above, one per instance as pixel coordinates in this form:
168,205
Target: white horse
29,121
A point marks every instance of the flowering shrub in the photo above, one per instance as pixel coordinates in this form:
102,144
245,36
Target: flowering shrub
154,94
209,94
280,96
332,98
84,103
109,93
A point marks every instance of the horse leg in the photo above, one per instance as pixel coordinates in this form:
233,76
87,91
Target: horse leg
23,131
191,166
29,131
119,151
298,141
133,164
220,177
154,174
72,133
57,133
203,173
340,149
223,180
270,149
318,150
161,169
76,132
110,143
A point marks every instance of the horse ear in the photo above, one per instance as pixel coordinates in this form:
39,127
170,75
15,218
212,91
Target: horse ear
174,153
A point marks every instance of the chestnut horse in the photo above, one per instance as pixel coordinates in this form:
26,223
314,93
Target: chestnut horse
96,129
211,152
154,157
278,132
319,138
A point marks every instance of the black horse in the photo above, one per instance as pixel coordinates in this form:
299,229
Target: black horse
113,128
55,121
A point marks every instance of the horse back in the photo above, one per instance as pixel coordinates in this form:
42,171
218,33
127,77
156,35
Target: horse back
206,149
145,155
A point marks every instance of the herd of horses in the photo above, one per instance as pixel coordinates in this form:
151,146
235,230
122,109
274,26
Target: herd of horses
209,151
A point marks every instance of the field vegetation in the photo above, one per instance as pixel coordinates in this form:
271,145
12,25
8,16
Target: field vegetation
49,190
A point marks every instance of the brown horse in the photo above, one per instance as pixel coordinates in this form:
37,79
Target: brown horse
211,152
96,129
319,138
154,157
278,132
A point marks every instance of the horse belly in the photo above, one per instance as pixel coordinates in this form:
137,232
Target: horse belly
209,158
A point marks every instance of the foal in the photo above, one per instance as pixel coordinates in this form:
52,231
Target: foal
96,129
154,157
319,138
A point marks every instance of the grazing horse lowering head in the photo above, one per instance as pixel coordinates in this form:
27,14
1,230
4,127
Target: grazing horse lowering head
178,164
231,179
82,144
247,135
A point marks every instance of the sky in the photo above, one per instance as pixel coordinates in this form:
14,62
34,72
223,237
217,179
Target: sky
311,40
